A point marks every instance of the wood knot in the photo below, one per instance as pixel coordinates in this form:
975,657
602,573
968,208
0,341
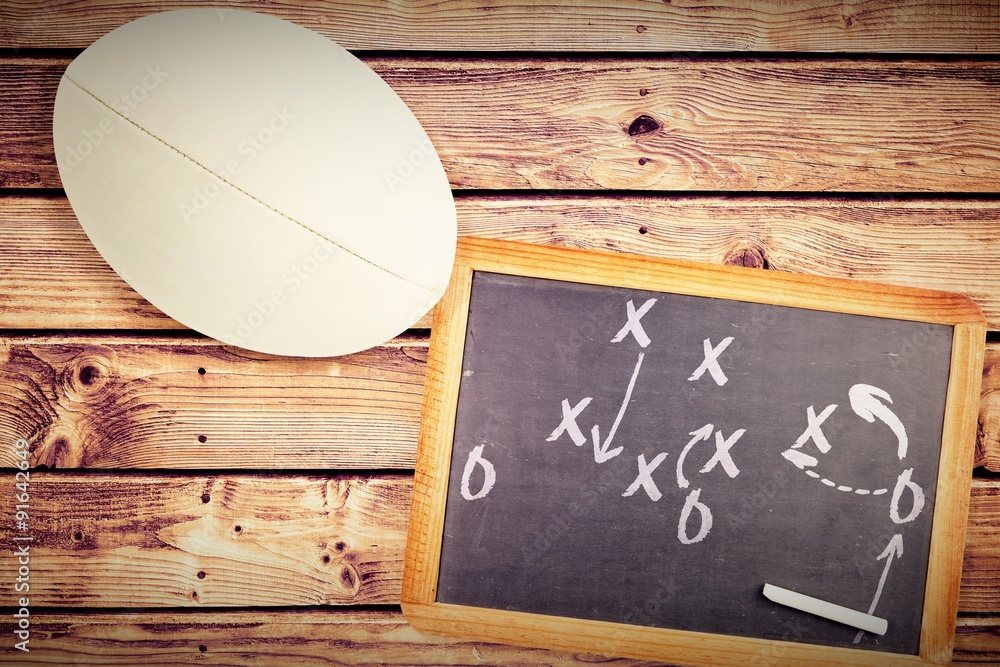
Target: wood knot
86,376
643,125
335,493
749,256
349,579
61,448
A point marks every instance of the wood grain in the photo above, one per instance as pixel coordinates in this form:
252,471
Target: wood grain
988,434
960,26
319,637
944,567
52,277
437,433
192,403
678,123
982,543
332,637
113,541
27,93
127,402
168,541
977,641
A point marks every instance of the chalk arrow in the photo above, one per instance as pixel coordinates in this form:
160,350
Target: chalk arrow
704,433
601,451
864,401
894,548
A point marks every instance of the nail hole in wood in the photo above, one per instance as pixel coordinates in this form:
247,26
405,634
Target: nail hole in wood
326,559
205,497
202,648
640,28
643,230
643,160
237,529
201,371
201,575
202,438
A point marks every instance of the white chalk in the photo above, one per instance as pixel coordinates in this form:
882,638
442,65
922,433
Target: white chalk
834,612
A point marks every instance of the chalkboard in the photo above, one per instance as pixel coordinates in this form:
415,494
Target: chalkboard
651,458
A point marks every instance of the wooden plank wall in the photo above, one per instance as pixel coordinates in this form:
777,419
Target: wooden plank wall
193,502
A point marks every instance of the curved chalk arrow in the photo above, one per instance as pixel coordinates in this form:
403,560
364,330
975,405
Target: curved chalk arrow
864,402
704,433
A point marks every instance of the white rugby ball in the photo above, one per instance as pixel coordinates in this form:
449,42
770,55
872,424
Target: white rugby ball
255,181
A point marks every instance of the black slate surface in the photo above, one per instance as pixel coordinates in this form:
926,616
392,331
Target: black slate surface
555,535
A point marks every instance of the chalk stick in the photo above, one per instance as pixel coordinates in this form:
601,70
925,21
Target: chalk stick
834,612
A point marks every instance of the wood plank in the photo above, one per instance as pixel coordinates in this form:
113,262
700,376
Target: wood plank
988,435
224,541
27,93
754,124
280,638
959,26
977,640
147,405
121,402
107,541
320,637
191,403
981,569
52,277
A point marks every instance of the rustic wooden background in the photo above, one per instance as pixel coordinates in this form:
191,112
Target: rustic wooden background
195,502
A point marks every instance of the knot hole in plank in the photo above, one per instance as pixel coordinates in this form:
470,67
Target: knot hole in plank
80,540
350,580
643,125
338,547
751,256
86,376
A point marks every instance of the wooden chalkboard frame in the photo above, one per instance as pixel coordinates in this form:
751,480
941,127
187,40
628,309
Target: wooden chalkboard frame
444,365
